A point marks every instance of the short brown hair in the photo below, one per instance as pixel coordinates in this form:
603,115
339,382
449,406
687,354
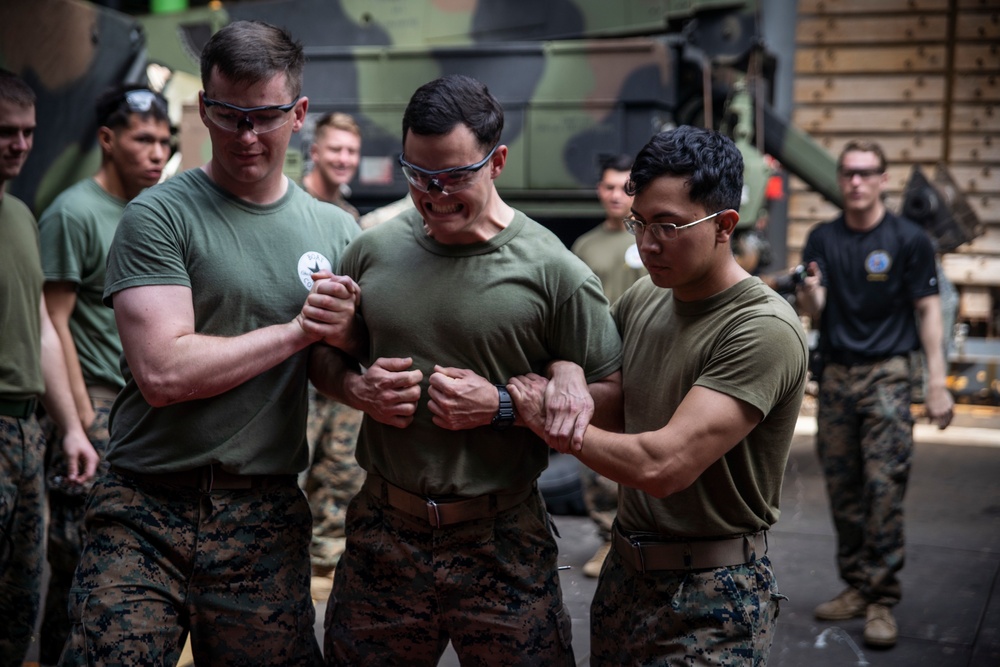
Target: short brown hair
13,89
337,121
862,146
248,52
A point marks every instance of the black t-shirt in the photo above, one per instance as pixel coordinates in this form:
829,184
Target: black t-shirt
872,279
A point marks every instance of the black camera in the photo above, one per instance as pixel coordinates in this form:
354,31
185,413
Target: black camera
787,283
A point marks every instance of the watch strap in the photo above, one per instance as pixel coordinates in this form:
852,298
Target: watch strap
505,417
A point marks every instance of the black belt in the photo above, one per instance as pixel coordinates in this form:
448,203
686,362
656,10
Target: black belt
690,554
209,478
849,358
440,513
18,409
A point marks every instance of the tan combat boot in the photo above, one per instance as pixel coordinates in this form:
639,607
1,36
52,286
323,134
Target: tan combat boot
880,627
592,568
849,604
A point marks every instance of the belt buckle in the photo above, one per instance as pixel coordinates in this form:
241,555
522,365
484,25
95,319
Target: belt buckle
433,513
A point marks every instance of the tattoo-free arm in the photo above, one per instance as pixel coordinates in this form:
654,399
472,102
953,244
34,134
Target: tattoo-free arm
173,363
81,458
939,402
706,425
60,300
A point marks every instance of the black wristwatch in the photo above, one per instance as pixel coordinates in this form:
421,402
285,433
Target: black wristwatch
504,418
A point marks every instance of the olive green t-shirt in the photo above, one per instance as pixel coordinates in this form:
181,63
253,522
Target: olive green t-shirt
745,342
248,266
20,299
503,307
76,232
613,256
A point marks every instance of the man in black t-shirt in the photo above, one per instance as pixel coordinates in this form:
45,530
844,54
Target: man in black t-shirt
872,277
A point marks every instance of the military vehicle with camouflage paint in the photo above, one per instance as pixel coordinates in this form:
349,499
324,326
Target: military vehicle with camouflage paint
579,80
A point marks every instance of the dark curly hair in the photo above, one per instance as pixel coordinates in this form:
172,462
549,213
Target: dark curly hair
710,162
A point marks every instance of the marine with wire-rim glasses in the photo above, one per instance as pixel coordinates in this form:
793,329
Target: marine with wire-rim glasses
713,372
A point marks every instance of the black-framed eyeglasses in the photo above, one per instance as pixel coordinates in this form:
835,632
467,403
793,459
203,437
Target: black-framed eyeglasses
258,120
142,100
448,181
865,174
662,231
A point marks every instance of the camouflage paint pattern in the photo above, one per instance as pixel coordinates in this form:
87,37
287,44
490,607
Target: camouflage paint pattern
334,476
722,616
865,445
230,567
403,589
67,504
69,53
22,544
579,80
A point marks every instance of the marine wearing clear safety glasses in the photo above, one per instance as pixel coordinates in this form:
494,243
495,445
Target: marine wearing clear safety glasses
258,120
447,181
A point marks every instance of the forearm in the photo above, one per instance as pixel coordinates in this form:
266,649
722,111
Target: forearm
631,460
57,398
931,331
609,404
329,371
77,385
811,301
195,366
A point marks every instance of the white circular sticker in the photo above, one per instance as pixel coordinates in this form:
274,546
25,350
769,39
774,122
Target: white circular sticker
310,263
632,257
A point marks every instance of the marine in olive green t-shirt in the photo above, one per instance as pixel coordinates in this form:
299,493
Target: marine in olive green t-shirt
76,232
737,343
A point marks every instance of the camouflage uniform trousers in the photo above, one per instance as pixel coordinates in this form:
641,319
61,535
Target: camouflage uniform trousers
22,544
865,445
230,567
334,476
722,616
491,586
600,495
65,532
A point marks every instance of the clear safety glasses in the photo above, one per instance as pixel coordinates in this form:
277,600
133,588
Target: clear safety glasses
447,181
258,120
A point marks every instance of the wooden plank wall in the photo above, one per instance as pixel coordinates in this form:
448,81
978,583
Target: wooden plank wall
922,77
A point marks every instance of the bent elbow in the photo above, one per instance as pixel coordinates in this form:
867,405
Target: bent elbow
158,390
663,484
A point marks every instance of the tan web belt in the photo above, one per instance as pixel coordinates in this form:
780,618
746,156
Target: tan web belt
689,555
444,513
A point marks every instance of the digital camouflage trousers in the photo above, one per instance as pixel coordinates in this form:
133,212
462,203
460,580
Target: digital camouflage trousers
864,440
22,544
722,616
229,567
404,589
67,504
